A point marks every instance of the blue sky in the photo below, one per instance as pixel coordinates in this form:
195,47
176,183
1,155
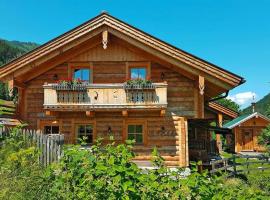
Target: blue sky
233,34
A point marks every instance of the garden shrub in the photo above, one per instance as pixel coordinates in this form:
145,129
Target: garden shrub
107,172
20,172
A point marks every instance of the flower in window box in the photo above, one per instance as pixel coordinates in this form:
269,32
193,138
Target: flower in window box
139,83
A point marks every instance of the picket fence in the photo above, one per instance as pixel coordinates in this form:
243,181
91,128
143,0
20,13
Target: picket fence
50,146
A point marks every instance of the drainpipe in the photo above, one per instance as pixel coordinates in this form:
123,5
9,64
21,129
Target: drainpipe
221,97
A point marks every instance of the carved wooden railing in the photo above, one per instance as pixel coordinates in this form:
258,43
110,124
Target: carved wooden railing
99,96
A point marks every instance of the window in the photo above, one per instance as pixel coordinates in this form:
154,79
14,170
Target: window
136,73
84,74
135,132
51,129
85,133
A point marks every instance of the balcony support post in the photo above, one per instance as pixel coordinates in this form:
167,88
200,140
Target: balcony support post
90,113
162,112
125,113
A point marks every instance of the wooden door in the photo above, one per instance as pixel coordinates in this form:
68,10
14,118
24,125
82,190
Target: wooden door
247,141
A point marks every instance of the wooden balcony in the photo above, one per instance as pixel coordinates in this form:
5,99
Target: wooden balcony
104,97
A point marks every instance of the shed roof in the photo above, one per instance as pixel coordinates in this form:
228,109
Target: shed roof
222,109
239,120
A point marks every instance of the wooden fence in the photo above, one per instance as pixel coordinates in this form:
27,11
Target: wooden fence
247,165
50,146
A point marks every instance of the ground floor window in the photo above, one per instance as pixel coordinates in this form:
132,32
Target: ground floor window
51,129
85,133
135,132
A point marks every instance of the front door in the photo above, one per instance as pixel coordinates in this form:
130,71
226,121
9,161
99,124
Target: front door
247,135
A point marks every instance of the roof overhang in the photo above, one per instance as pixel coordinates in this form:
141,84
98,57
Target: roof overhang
218,108
176,57
248,117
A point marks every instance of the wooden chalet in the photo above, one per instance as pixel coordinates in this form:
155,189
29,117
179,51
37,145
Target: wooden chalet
105,52
246,129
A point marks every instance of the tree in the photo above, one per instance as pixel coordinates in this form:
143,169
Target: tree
4,94
264,138
268,111
228,103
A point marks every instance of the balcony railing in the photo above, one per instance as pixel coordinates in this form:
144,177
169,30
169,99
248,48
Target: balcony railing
104,96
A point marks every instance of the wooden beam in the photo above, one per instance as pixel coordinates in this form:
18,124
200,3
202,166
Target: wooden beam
162,113
175,61
201,85
105,39
19,84
26,75
220,120
90,113
48,113
200,90
125,113
219,143
10,87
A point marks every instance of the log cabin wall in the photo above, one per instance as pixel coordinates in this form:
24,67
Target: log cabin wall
168,133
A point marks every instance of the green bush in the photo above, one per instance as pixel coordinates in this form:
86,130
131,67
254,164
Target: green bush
264,138
106,172
20,173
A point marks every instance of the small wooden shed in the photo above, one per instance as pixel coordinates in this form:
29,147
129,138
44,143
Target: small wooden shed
246,129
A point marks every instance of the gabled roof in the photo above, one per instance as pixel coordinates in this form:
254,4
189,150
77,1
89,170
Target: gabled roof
243,118
220,108
53,48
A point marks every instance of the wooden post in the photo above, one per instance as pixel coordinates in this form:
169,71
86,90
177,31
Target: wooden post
219,142
105,39
234,165
201,87
162,113
47,112
125,113
90,113
220,120
10,87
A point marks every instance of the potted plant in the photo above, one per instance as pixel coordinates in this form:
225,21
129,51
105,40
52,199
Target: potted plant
138,84
71,84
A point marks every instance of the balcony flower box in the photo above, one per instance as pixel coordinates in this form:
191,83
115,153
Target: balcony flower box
139,84
71,85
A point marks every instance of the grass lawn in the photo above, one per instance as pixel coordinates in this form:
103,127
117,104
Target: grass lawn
252,166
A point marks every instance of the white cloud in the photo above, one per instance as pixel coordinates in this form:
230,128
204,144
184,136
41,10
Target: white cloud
242,98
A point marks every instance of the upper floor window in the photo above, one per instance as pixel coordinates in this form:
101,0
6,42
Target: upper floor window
138,73
138,70
83,74
81,70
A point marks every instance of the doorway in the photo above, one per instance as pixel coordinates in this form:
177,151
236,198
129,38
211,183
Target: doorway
247,140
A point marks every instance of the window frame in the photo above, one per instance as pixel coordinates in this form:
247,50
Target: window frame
42,123
135,134
51,125
144,131
73,66
146,65
84,124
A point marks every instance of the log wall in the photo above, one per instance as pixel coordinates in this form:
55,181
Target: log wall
168,133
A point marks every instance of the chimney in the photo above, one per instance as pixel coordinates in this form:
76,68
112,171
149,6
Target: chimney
253,107
253,104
